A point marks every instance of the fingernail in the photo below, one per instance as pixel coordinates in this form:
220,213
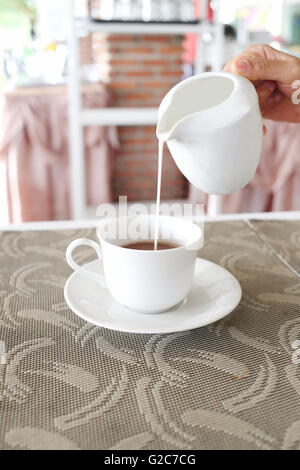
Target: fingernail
243,64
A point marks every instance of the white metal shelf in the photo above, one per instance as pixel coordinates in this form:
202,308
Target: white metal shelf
142,28
119,117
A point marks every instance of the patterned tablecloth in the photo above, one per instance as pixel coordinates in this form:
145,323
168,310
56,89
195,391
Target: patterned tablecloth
66,384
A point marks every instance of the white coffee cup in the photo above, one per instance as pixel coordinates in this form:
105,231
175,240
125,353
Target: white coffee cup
145,281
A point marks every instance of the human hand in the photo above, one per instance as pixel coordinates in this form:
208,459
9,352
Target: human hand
276,77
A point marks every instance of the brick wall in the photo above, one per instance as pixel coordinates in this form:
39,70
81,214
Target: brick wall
139,70
85,49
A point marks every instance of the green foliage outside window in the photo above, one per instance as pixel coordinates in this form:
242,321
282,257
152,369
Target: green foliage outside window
14,12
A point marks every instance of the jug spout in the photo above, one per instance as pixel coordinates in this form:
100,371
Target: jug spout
163,131
165,127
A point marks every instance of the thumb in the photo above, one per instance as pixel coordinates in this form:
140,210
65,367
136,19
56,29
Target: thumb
262,62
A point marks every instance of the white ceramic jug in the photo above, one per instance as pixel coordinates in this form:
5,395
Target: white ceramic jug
213,128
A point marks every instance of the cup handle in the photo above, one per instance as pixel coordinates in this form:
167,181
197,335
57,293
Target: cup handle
81,269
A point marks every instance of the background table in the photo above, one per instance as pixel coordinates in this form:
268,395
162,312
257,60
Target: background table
66,384
34,151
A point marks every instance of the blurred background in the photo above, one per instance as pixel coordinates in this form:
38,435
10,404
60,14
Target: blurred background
80,83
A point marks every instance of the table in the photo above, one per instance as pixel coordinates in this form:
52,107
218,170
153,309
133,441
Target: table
66,384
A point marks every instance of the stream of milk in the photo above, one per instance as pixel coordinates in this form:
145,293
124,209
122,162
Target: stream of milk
159,173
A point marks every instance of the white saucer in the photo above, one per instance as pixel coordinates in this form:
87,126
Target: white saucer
214,294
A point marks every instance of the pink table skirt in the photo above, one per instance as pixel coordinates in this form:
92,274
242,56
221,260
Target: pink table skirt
276,183
34,147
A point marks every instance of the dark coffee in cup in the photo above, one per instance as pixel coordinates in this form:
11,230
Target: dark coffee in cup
149,245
